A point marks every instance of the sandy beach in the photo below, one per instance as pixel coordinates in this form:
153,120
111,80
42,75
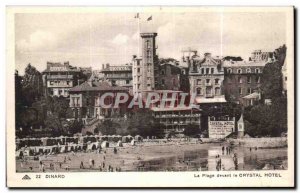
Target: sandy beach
153,157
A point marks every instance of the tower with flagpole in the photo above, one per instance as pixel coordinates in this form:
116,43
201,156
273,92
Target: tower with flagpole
144,64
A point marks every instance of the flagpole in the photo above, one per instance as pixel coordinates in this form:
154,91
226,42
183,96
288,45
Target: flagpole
139,32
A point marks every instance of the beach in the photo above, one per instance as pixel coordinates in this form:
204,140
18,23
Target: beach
167,156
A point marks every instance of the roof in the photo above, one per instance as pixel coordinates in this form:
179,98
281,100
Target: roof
156,109
254,95
241,119
97,86
202,100
240,64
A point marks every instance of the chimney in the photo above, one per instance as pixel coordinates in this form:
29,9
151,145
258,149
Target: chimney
107,65
102,66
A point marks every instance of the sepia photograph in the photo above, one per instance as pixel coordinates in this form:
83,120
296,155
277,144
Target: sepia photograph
203,95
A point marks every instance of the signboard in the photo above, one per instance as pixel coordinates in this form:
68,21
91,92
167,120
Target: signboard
220,129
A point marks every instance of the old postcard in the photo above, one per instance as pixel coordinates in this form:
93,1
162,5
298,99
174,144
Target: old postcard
150,97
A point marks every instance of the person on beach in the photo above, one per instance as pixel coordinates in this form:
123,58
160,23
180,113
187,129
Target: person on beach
235,161
250,149
223,148
65,159
43,167
81,165
60,165
93,162
115,150
90,163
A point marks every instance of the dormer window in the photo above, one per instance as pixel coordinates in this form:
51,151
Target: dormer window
239,71
248,70
257,70
229,70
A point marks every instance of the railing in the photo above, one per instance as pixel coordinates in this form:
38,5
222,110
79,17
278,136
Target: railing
59,76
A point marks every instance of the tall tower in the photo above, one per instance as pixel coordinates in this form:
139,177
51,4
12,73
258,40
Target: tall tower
145,68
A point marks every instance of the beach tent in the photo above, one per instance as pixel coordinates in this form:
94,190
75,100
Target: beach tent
133,142
104,137
62,149
120,144
104,144
138,138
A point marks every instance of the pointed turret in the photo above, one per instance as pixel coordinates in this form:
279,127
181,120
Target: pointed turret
241,127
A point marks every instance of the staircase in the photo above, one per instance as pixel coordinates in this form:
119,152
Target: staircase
90,125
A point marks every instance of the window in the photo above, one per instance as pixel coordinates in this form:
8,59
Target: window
212,70
217,91
68,82
162,72
207,70
249,90
257,79
217,81
240,90
239,71
208,90
229,70
202,70
240,80
148,54
257,70
198,81
207,81
199,91
174,82
148,44
248,70
138,78
162,81
138,70
139,86
127,81
248,79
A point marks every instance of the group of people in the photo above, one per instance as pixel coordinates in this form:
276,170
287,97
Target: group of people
228,150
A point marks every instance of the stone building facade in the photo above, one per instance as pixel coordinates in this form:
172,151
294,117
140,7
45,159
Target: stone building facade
242,79
118,75
85,100
206,78
59,78
145,69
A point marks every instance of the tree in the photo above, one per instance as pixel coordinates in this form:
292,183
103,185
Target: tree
32,85
107,127
58,105
53,122
75,127
167,60
233,58
262,120
191,130
272,80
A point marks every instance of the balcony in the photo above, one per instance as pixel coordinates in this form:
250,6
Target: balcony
209,95
55,77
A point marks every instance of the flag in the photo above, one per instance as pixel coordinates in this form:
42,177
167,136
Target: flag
137,15
149,18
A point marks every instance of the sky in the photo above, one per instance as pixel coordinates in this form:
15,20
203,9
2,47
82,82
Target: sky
93,39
